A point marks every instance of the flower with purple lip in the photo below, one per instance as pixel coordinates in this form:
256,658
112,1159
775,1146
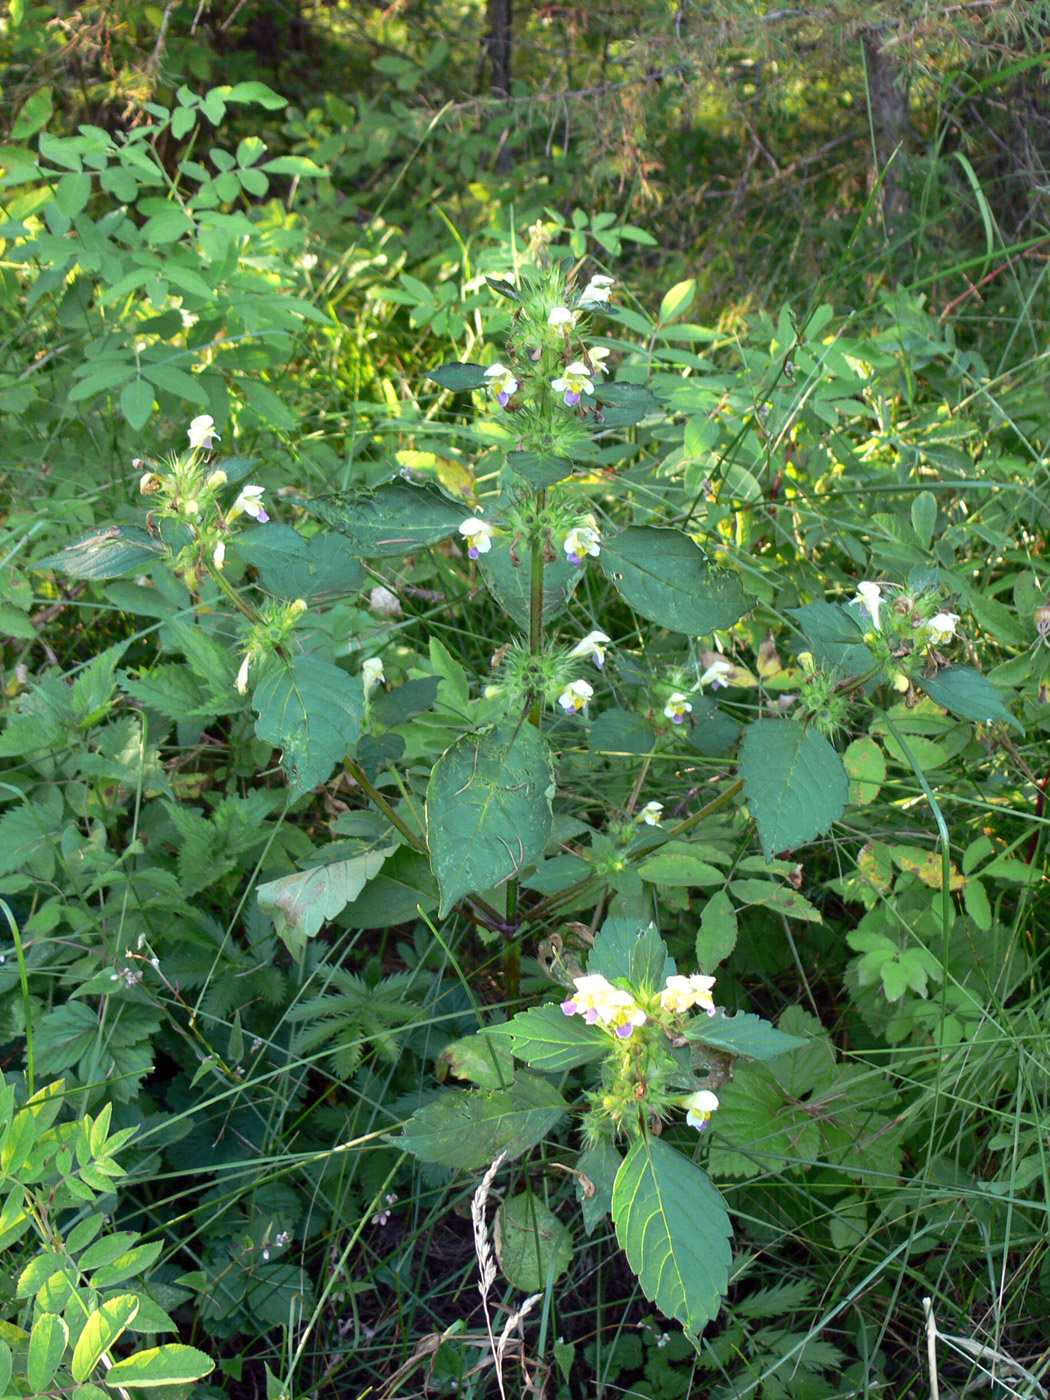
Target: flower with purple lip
478,536
593,645
716,675
201,433
677,708
700,1106
249,502
596,999
580,542
502,383
575,696
574,383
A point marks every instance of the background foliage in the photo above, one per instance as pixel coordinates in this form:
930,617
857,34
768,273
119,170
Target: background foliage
244,975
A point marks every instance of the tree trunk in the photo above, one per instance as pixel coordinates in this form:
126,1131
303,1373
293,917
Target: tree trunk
888,111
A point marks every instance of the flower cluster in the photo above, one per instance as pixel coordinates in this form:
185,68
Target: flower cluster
596,999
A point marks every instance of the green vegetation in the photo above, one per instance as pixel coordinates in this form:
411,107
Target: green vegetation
525,645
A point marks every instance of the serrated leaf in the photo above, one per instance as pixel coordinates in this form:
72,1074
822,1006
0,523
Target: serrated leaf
624,948
478,1059
673,1226
623,404
532,1244
310,710
488,809
742,1034
292,567
391,522
171,1364
458,377
102,1329
547,1039
666,578
794,783
299,904
467,1128
835,637
596,1169
107,553
511,587
969,695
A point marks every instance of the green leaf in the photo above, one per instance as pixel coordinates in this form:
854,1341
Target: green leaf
781,898
623,404
458,377
679,863
136,403
467,1128
835,637
678,300
511,587
673,1226
716,936
534,1248
617,732
292,567
301,166
666,578
547,1039
625,949
794,783
299,904
488,809
539,469
395,520
47,1346
5,1365
105,553
969,695
36,113
311,710
477,1059
101,1330
171,1364
596,1170
251,92
742,1034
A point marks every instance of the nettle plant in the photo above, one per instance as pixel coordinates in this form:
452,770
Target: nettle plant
537,808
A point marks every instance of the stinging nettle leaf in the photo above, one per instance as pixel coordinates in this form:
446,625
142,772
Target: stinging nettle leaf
673,1226
794,782
742,1034
394,521
310,710
105,554
467,1128
488,809
547,1039
666,578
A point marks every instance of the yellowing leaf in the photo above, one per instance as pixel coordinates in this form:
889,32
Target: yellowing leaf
875,865
929,869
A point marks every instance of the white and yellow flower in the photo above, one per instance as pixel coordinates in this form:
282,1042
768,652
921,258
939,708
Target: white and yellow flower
201,433
718,674
242,675
699,1108
593,647
596,292
478,536
562,319
574,383
597,1000
683,993
598,354
502,383
869,596
651,814
249,502
581,542
677,708
371,674
575,696
941,627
